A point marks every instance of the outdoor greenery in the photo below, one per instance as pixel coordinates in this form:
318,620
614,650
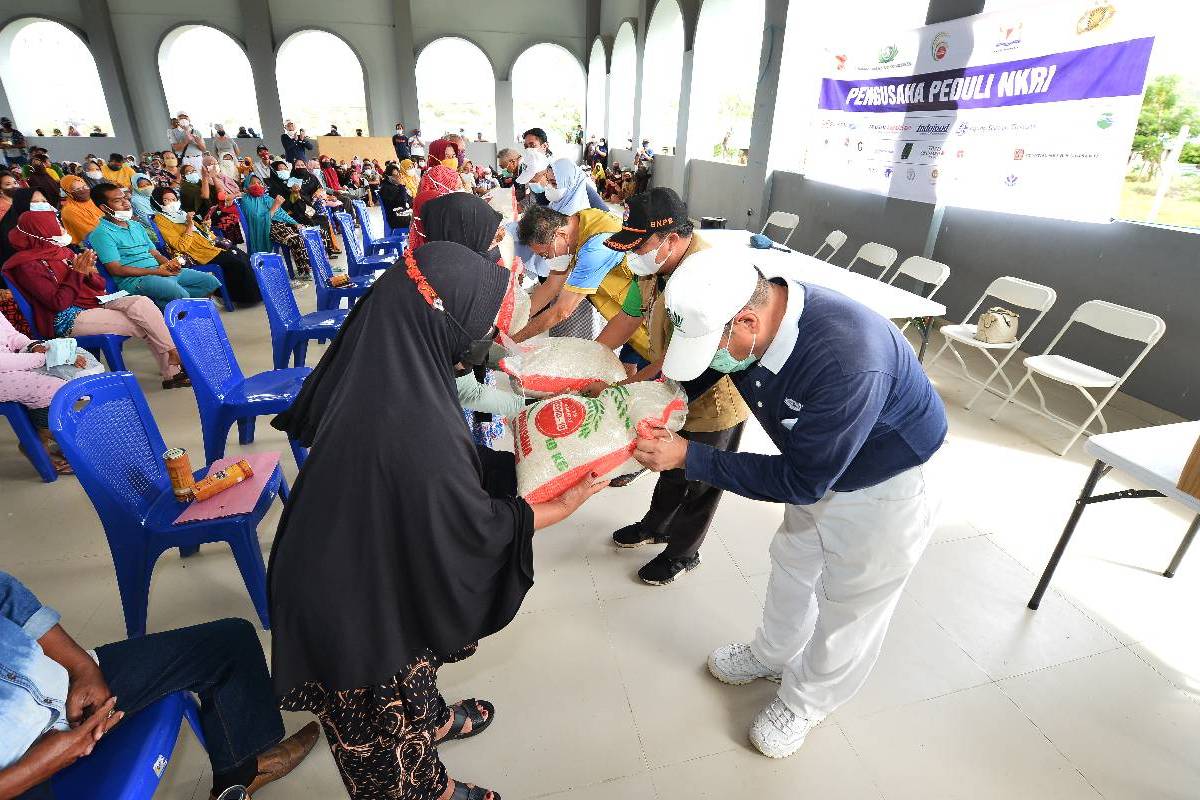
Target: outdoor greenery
1166,108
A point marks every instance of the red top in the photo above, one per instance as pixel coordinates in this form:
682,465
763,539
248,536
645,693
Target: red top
51,286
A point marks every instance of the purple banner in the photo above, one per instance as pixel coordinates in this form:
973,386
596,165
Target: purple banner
1111,70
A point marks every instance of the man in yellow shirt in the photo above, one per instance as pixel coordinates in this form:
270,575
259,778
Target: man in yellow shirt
580,267
118,171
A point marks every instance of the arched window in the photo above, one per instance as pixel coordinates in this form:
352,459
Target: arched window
596,90
320,83
663,58
230,101
725,79
50,78
456,88
549,91
621,88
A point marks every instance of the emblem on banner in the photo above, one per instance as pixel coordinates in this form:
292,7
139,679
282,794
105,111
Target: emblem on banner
1096,18
1010,36
912,174
1105,122
1019,154
888,54
1010,181
940,46
887,172
840,59
933,175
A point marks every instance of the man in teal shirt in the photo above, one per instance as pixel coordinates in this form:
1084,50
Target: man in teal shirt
125,250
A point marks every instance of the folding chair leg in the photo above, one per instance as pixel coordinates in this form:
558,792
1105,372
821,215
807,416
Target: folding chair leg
998,371
1183,547
249,560
1010,396
938,354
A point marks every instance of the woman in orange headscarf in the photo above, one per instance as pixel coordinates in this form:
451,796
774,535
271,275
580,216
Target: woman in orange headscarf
443,151
80,216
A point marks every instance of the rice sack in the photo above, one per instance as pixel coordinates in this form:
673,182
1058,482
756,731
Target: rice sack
562,365
558,442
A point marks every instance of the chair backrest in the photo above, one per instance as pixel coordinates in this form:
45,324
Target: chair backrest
26,309
106,431
160,243
364,221
1023,293
875,253
1128,323
925,270
204,349
108,279
834,240
354,248
276,290
317,257
782,219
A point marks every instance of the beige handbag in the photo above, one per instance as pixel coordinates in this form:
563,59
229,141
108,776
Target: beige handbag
997,326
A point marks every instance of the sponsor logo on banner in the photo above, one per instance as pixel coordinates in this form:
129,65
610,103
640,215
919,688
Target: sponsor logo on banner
887,172
1019,154
1095,18
888,54
1010,181
961,153
933,151
962,128
560,417
1010,37
840,60
933,175
912,174
906,151
1106,121
940,46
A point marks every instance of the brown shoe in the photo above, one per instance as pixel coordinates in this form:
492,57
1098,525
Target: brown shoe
278,761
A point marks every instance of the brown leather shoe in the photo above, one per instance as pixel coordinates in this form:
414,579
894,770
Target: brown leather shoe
278,761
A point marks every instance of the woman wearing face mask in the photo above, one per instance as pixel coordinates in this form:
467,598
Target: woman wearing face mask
394,198
437,182
228,165
23,380
80,216
22,200
567,188
442,151
64,290
466,176
362,651
185,234
266,222
42,179
143,188
410,176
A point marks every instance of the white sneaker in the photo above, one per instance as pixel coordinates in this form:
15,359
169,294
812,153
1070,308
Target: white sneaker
778,731
737,665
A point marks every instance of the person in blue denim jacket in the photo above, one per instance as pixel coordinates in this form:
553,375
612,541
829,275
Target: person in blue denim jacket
57,700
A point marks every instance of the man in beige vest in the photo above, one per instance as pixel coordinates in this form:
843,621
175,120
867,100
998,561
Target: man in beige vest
658,236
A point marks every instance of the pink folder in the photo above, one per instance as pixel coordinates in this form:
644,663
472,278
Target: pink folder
238,499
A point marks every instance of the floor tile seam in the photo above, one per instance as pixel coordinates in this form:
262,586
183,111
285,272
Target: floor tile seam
1193,696
859,759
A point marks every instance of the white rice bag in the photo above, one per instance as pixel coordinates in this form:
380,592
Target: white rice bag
560,441
562,365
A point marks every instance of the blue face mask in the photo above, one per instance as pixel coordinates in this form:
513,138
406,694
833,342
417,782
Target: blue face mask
40,207
537,188
505,172
192,177
723,360
283,174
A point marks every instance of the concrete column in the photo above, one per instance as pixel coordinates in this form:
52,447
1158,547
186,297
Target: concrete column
679,179
505,126
757,186
406,70
639,54
260,50
144,134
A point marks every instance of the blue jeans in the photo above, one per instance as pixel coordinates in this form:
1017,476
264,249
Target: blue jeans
220,661
630,356
162,290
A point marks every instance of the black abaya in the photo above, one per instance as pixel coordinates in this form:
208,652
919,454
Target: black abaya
399,537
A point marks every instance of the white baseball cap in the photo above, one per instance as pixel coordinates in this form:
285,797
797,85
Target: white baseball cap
707,291
533,161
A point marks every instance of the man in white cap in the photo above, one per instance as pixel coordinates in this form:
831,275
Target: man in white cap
842,396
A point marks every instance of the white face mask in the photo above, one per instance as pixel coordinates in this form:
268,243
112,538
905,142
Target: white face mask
94,174
62,240
40,206
554,194
124,216
646,264
171,207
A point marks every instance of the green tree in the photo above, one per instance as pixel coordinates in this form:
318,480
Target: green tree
1163,114
1190,153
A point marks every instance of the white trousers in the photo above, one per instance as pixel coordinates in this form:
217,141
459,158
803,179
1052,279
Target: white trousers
838,567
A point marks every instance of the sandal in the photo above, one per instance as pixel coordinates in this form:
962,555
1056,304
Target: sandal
469,709
57,460
464,792
177,381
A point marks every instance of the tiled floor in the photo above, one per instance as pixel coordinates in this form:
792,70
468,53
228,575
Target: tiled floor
600,682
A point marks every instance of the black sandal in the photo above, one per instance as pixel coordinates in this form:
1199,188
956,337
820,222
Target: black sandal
469,709
464,792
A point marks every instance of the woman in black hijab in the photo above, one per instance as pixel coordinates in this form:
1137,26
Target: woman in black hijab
21,198
403,543
463,218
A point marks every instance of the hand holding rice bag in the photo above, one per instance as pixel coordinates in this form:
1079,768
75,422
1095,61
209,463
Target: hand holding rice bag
562,365
558,442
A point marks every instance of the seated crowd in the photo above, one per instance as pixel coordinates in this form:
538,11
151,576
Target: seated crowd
102,247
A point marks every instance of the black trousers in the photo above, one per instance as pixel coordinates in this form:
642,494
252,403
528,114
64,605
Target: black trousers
681,510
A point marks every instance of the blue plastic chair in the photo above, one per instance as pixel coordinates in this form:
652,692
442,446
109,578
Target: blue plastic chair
223,394
109,344
214,269
130,760
360,262
105,429
329,298
27,437
392,239
291,331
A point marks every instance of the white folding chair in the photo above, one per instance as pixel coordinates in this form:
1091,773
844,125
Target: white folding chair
785,220
1110,318
1012,292
834,242
925,270
875,253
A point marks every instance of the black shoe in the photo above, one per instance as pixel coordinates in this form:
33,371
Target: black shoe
663,569
636,535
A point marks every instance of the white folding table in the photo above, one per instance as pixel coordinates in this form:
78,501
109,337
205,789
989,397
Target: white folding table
1155,457
883,298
